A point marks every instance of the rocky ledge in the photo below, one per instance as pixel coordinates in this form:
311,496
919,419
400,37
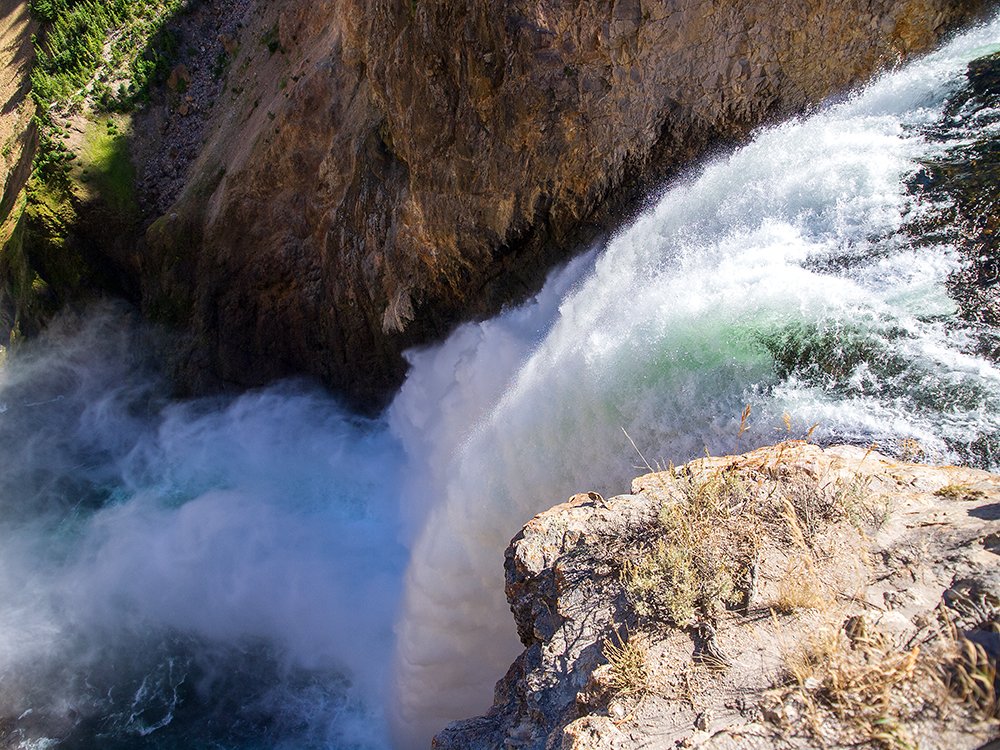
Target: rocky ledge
792,596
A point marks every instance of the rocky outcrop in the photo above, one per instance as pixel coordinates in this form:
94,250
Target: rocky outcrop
18,139
377,171
17,135
853,554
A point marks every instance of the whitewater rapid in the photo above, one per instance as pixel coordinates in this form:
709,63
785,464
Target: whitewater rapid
271,571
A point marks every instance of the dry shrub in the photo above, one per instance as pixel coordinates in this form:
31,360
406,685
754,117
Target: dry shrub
811,507
821,566
702,537
861,506
709,535
664,583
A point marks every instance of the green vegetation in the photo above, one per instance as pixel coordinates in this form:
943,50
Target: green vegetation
110,51
107,53
52,159
700,538
96,60
18,276
115,46
100,169
272,41
111,169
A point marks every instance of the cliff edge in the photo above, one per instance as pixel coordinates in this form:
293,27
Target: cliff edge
789,597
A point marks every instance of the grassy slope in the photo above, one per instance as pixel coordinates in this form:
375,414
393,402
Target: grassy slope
95,61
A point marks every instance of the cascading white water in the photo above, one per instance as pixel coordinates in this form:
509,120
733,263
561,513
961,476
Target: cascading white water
793,242
270,571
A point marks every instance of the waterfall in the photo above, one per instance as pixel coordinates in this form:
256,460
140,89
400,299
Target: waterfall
272,571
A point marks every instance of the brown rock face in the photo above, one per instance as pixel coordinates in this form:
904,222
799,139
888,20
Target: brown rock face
380,171
17,134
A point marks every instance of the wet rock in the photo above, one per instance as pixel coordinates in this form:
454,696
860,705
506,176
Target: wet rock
984,75
962,187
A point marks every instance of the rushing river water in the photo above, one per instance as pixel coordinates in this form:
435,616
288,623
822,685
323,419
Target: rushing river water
270,571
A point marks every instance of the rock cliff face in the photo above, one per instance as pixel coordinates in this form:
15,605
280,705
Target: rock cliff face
17,132
375,172
862,574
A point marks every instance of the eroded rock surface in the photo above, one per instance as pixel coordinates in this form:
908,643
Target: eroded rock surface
17,135
376,171
906,551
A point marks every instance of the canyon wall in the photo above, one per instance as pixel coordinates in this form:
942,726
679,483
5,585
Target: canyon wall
375,172
18,134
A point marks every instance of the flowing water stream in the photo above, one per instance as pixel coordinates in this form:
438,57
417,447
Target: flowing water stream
271,571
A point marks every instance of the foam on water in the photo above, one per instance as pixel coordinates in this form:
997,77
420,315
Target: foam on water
271,571
779,277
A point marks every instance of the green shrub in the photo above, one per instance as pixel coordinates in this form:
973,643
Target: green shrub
701,537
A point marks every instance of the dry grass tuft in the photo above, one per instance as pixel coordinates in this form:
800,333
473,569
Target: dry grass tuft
801,587
852,683
871,687
971,676
629,674
959,492
819,569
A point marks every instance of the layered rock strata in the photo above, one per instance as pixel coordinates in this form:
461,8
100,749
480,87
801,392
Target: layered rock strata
375,172
912,549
